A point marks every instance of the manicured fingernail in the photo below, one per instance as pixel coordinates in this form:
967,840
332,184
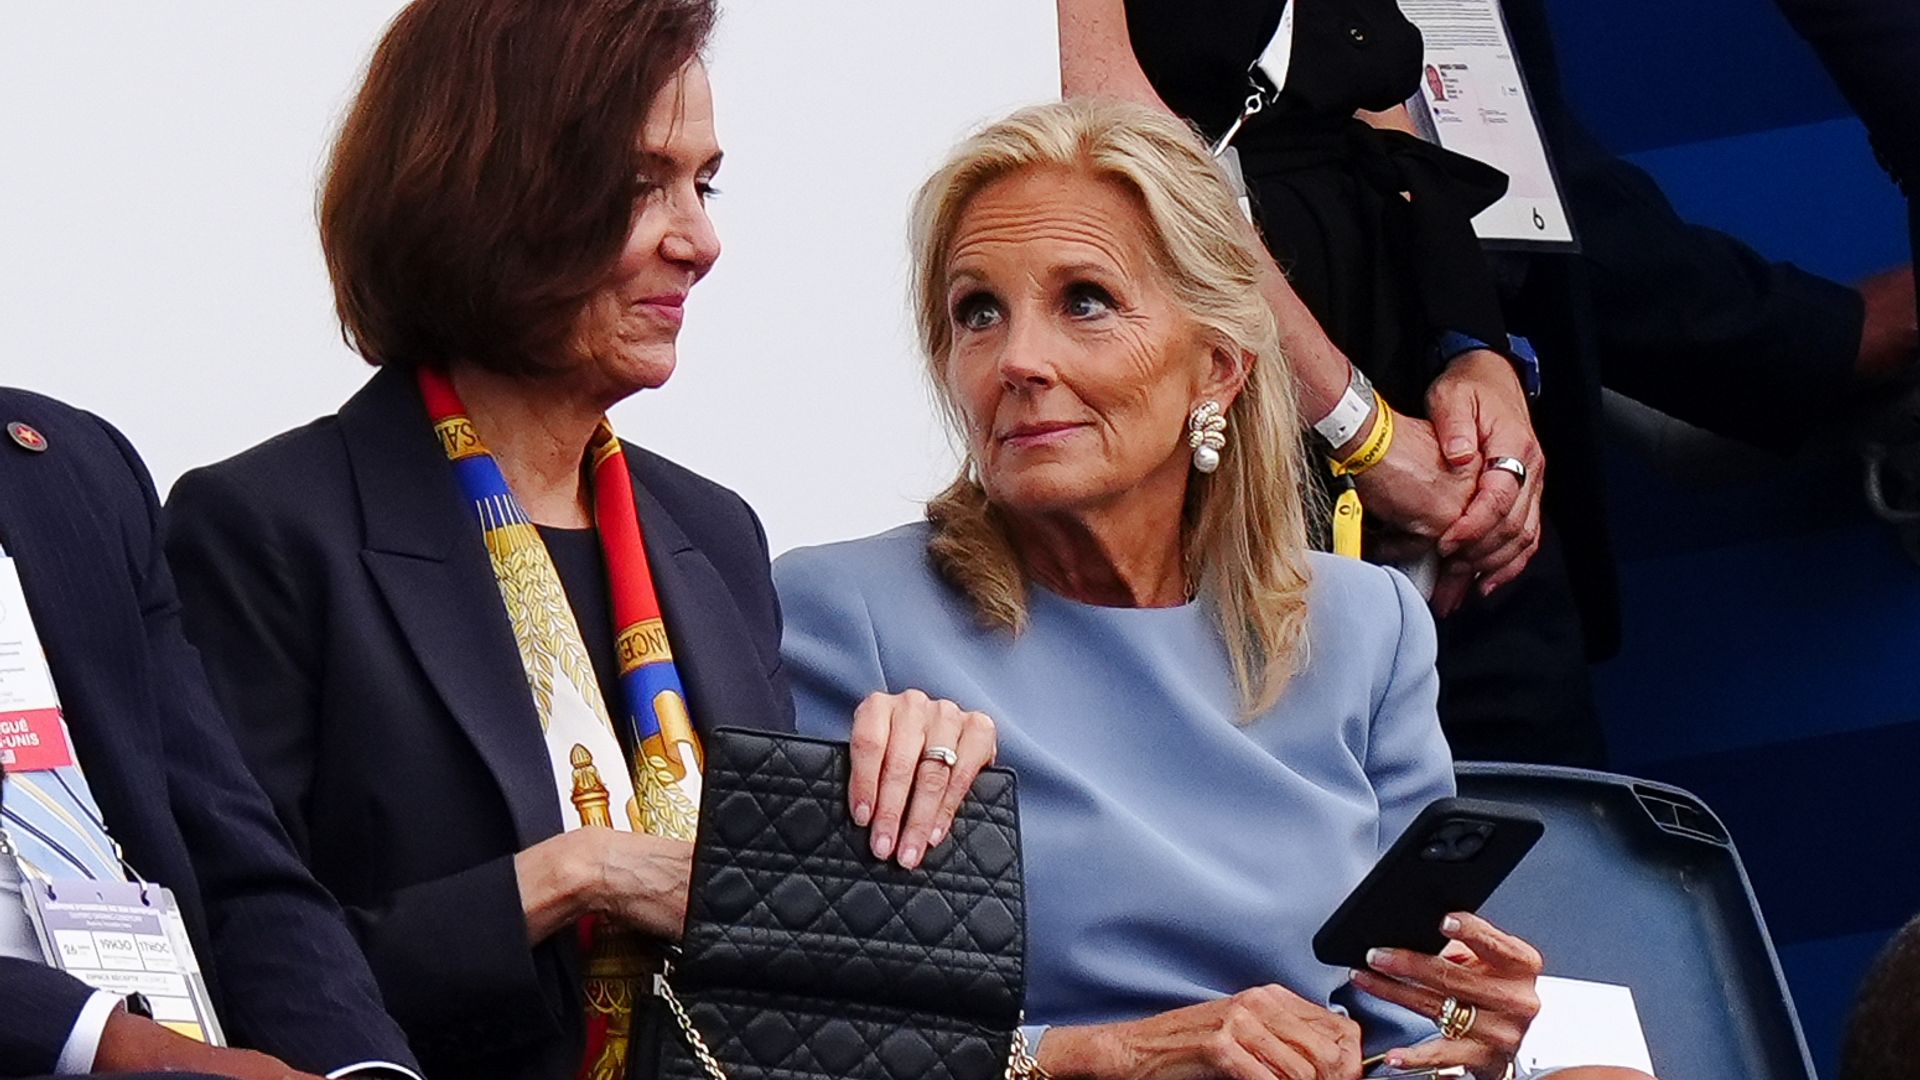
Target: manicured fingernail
909,856
1355,973
1395,1061
1458,449
882,845
1486,588
1449,925
1376,957
939,834
862,813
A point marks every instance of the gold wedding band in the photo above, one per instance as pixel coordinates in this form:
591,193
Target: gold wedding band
1457,1019
942,754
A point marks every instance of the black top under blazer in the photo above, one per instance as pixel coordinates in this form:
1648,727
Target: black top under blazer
80,519
338,582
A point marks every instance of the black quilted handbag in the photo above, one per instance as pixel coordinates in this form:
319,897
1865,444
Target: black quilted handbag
804,956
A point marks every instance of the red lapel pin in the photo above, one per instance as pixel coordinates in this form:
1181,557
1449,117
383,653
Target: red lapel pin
27,437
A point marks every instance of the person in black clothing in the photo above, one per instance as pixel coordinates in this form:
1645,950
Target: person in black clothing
1373,227
419,675
78,523
1872,49
1684,318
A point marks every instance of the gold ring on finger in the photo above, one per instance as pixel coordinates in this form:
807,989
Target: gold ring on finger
1458,1021
942,754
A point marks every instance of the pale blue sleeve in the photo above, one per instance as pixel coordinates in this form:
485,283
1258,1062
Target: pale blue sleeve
1408,762
828,643
1409,766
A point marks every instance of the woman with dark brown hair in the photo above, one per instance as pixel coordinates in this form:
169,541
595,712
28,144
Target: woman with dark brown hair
469,639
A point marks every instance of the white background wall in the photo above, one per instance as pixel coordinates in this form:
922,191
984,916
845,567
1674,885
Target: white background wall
158,262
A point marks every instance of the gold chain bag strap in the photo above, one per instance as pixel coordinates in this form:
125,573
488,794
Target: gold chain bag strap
805,957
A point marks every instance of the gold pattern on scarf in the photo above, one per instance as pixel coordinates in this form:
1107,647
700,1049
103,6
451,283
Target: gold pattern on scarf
641,644
543,626
458,438
552,650
618,964
664,808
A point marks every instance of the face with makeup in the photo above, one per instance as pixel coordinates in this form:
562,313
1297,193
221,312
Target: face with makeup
631,327
1072,365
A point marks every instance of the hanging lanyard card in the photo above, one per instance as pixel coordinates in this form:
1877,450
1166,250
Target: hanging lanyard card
1473,100
125,938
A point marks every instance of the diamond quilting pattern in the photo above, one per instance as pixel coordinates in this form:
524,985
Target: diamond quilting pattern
785,1038
807,958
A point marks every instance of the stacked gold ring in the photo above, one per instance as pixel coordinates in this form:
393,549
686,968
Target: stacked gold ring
1456,1019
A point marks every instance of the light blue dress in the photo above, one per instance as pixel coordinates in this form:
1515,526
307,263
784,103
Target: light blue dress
1173,854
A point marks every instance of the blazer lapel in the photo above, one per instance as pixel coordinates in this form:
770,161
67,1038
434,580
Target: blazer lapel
712,650
425,552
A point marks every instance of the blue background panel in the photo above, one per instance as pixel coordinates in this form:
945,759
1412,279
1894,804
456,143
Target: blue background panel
1771,625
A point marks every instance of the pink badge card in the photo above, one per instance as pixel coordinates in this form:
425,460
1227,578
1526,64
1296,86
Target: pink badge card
32,735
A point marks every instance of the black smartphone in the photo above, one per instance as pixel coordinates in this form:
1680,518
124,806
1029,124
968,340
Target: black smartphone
1450,859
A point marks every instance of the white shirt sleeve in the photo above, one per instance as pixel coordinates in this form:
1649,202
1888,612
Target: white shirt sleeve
83,1043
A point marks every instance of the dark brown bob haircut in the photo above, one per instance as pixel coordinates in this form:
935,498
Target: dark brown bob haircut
483,183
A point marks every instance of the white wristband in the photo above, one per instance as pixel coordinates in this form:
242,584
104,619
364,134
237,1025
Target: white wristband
1350,414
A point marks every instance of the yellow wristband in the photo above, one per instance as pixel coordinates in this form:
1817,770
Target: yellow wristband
1377,443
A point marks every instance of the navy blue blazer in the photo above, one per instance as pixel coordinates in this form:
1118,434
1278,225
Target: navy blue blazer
81,521
364,657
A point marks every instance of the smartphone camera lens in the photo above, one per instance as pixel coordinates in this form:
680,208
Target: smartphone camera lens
1456,841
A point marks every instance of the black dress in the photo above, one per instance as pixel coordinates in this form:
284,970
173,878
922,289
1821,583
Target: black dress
1386,277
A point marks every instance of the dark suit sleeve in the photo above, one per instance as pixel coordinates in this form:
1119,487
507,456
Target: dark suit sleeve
1872,49
1701,326
294,984
450,953
40,1006
1686,319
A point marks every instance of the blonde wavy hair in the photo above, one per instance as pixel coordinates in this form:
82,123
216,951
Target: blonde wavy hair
1245,525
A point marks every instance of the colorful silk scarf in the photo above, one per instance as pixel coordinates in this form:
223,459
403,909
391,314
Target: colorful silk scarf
660,794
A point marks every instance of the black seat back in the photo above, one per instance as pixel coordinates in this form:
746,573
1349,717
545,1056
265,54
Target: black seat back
1638,884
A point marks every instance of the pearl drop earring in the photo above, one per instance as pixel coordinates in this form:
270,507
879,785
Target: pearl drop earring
1207,435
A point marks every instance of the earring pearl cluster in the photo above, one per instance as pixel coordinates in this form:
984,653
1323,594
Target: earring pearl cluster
1207,435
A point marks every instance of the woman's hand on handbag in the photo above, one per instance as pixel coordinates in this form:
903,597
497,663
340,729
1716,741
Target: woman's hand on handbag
913,760
1483,969
633,878
1266,1033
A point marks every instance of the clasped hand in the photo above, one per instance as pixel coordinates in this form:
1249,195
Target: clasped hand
1435,492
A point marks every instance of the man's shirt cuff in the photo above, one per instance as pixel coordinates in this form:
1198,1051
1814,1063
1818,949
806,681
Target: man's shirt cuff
83,1042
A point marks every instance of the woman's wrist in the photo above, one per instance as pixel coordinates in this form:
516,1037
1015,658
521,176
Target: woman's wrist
1090,1052
559,883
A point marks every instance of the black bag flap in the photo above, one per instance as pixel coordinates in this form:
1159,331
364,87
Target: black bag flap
786,897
